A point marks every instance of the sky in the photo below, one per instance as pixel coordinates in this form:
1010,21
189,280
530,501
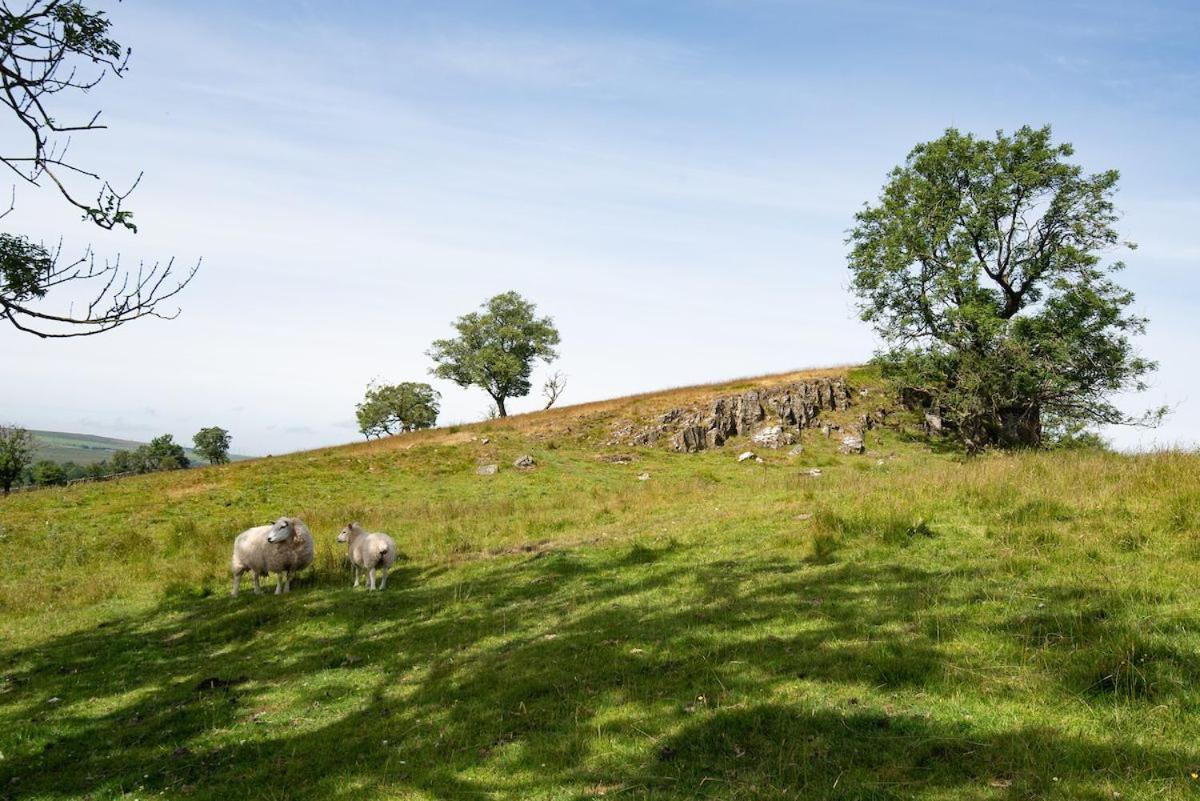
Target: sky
672,182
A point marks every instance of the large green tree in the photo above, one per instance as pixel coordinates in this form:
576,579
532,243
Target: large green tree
496,348
391,408
47,48
981,267
213,444
16,453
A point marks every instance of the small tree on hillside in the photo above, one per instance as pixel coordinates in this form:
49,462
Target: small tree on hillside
162,453
390,409
122,462
48,474
16,453
213,444
980,267
495,350
553,389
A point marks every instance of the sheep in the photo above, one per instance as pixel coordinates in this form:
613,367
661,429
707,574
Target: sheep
284,548
368,551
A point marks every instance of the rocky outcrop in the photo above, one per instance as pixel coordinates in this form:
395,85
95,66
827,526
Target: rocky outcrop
771,415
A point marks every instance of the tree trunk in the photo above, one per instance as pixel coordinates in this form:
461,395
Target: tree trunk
1020,427
500,410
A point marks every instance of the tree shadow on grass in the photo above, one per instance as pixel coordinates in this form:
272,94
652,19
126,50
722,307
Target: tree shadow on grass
511,679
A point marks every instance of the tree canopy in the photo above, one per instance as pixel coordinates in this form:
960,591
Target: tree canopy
48,47
16,452
496,348
213,444
981,268
392,408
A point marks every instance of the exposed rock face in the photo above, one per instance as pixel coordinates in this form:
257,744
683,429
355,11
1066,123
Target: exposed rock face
773,437
776,414
525,462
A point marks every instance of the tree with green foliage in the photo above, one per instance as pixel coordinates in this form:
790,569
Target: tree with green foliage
980,266
391,408
16,453
122,462
48,474
162,453
48,47
495,349
213,444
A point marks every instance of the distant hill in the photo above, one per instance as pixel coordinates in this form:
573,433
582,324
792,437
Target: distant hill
85,449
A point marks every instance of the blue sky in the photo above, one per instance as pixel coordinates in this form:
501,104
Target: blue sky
671,181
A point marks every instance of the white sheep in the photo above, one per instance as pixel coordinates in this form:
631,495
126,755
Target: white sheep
284,548
368,551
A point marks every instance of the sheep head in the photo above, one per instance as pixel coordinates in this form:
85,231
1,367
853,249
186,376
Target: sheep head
282,530
351,530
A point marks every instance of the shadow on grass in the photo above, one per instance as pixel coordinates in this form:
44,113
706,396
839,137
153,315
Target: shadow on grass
562,674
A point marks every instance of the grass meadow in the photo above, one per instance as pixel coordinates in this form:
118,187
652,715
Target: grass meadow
907,624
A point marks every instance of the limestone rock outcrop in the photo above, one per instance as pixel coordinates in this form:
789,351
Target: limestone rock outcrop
772,416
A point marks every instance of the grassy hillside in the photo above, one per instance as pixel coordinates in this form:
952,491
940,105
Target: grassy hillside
904,625
85,449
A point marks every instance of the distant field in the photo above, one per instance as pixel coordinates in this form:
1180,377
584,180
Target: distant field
85,449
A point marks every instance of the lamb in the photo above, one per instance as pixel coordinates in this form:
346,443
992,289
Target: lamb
368,551
284,548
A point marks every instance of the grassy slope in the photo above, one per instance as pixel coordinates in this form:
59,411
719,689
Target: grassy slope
906,625
85,449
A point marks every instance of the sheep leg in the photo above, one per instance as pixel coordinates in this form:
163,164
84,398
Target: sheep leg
237,580
356,577
279,583
287,582
371,577
383,583
257,586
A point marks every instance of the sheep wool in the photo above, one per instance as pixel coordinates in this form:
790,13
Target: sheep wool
284,548
369,551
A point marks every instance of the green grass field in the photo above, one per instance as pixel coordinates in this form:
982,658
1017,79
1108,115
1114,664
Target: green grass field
908,624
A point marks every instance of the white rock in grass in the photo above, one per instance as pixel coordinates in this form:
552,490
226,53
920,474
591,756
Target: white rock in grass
486,470
743,457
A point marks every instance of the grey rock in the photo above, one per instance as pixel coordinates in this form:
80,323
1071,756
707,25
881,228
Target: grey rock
815,472
851,443
690,440
795,451
487,470
933,424
773,437
746,456
643,477
525,462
